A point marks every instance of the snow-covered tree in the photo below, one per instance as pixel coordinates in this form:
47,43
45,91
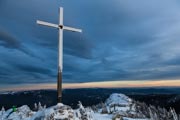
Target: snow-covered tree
84,113
104,109
35,106
175,116
40,106
2,110
44,106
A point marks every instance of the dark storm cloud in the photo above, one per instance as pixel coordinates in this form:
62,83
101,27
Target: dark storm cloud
78,45
121,40
8,41
175,61
33,69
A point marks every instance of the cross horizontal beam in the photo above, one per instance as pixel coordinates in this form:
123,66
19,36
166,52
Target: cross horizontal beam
47,24
72,29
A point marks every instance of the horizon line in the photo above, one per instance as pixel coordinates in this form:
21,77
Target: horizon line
104,84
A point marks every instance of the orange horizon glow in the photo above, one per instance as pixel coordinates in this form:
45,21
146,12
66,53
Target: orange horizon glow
106,84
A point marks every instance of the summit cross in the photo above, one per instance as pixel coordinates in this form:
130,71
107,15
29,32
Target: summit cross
60,28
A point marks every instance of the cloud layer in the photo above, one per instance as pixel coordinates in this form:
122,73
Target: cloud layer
121,40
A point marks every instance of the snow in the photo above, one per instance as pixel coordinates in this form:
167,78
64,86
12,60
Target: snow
23,112
99,116
109,117
64,112
125,118
6,114
118,103
118,99
60,111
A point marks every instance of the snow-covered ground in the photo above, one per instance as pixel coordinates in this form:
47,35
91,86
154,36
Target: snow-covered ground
118,99
99,116
119,107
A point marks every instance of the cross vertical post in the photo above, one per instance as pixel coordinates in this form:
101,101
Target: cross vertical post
60,58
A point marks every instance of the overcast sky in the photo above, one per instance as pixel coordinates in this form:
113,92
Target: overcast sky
121,40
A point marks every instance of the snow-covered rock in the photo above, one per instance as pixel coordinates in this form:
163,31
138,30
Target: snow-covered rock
119,103
22,112
58,112
118,99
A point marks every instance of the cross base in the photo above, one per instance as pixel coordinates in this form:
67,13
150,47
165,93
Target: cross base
59,86
59,100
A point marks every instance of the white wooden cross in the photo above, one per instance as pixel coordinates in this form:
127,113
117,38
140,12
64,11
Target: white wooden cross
61,28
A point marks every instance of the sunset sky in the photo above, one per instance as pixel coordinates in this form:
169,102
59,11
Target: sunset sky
125,43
